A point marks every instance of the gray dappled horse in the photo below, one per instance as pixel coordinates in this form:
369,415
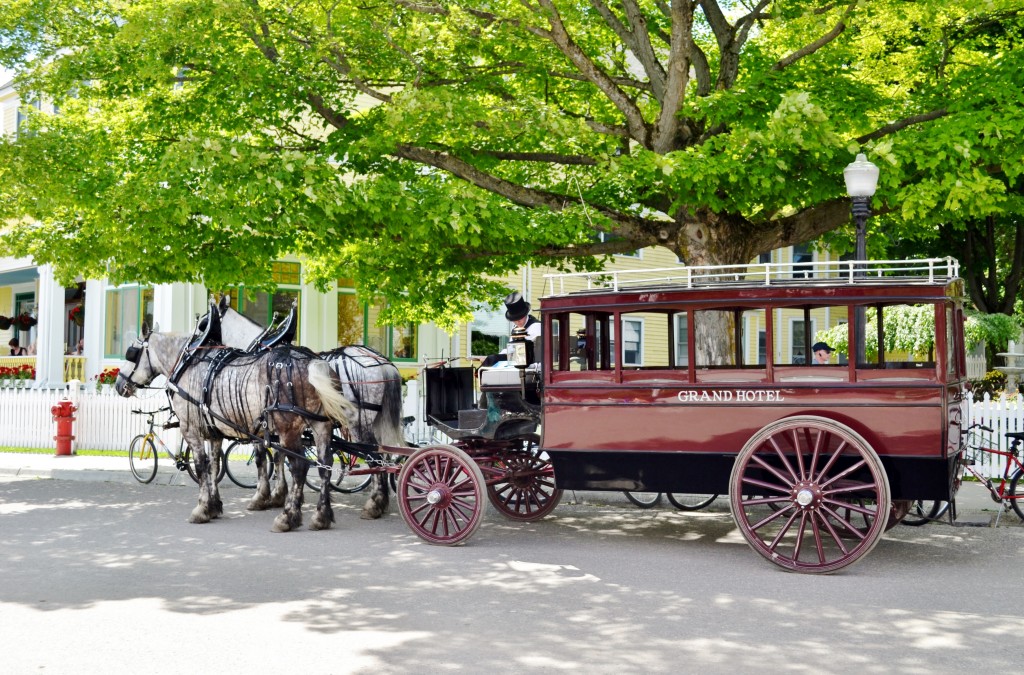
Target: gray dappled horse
369,381
223,392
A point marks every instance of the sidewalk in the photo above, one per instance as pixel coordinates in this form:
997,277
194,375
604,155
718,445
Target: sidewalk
975,507
84,468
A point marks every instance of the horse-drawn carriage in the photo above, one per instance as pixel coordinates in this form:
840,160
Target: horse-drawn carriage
818,460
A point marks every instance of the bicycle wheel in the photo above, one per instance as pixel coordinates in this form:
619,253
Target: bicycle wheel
923,512
142,458
687,502
644,500
341,480
190,465
1017,492
240,464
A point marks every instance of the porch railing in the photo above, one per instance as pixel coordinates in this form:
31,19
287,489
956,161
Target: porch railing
74,366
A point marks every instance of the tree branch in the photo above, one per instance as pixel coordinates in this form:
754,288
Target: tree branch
633,227
902,124
669,126
560,38
817,44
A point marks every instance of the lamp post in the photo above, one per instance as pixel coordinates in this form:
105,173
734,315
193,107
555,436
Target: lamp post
861,182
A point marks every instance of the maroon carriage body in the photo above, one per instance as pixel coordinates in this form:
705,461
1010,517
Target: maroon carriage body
649,411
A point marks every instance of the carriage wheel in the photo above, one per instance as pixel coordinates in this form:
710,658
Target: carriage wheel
809,494
526,488
441,494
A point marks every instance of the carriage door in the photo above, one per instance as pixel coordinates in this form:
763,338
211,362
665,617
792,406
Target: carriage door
955,373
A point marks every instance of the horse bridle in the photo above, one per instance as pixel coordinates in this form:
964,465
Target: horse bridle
133,355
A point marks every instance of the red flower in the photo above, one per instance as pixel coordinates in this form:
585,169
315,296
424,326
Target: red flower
108,376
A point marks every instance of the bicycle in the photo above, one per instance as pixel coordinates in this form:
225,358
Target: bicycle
143,455
1011,483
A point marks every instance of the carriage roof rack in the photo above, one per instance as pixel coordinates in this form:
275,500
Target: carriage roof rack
926,271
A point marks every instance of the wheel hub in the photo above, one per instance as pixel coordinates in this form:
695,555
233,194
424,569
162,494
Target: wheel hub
437,496
806,495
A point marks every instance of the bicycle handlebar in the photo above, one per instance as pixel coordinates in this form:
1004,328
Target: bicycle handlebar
978,425
150,412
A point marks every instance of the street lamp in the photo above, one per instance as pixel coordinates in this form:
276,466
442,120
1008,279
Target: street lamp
861,182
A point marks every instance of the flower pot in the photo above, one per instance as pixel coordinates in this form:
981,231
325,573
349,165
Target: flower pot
5,322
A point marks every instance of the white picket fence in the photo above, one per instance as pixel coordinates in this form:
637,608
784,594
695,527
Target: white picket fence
104,420
1001,415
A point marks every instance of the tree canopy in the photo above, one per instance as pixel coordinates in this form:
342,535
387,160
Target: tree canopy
416,146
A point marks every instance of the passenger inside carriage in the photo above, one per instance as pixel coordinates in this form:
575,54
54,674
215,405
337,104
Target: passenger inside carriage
821,352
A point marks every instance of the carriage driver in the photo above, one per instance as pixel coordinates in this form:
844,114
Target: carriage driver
517,310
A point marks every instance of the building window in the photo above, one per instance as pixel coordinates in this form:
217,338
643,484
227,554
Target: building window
632,342
606,236
803,262
682,332
128,307
358,325
798,347
265,308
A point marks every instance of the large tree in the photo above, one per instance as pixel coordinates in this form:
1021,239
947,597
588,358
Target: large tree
415,145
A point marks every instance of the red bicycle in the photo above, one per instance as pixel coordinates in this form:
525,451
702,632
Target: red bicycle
1010,489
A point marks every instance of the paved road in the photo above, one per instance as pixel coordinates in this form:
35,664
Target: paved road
106,576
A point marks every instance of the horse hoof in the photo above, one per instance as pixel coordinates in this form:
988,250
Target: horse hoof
319,523
199,516
370,515
256,505
280,524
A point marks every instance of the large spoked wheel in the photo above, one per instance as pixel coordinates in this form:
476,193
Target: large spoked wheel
240,464
828,485
441,495
1017,492
142,459
688,502
525,489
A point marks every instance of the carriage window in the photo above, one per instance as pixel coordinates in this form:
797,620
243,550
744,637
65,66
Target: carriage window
906,339
753,338
588,344
732,344
797,329
952,342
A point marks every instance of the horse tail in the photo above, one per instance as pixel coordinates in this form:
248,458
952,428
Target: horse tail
387,425
328,387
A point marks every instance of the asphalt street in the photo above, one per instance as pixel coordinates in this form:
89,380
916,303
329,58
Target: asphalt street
103,575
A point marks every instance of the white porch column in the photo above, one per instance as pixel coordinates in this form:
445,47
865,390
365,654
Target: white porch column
92,328
50,330
163,307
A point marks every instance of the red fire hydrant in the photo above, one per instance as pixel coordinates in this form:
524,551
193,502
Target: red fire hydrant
64,416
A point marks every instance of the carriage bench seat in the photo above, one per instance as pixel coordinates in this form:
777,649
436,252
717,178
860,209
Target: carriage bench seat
505,378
